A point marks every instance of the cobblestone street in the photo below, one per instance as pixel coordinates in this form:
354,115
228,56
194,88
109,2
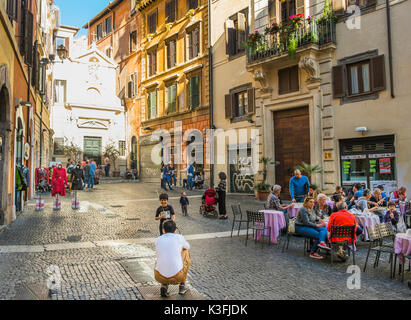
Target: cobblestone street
115,227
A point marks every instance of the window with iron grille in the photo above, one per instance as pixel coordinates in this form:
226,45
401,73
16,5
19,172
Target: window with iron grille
171,53
152,62
192,4
152,22
122,148
171,11
193,43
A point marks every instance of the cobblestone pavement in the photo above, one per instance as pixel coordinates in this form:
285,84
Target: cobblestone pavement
116,224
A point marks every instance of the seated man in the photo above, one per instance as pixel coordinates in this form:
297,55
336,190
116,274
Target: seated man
392,215
173,259
343,218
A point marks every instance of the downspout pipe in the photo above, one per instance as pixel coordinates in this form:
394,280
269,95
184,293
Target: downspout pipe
387,4
211,89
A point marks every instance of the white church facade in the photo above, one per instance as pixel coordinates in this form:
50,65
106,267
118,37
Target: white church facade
86,111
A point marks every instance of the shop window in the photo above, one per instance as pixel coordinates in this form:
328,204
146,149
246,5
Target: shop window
288,80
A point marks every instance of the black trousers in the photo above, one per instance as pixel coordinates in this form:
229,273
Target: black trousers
221,203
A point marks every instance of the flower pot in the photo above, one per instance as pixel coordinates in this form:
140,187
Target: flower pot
262,195
116,174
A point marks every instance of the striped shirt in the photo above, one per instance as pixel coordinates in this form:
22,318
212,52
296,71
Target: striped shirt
222,186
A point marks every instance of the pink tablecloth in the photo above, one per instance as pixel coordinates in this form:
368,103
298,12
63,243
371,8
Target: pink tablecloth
402,246
293,211
274,219
366,221
402,208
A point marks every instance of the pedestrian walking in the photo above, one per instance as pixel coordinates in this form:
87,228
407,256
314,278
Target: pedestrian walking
190,174
184,204
164,211
221,191
107,166
92,172
86,169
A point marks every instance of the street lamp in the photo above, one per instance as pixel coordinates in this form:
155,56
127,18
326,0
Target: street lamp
62,52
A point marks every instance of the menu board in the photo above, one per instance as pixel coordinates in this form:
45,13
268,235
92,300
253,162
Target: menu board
346,166
373,165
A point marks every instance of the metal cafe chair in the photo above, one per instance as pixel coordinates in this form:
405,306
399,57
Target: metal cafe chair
256,221
237,217
342,232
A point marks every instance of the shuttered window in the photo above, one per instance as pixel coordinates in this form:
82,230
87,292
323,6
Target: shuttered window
171,11
288,80
192,4
152,63
11,9
171,54
132,86
288,8
193,43
361,78
133,41
236,29
240,103
171,98
152,104
194,91
28,38
108,25
152,22
99,31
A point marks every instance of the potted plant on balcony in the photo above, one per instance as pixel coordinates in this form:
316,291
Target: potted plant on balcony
263,189
112,153
253,41
273,29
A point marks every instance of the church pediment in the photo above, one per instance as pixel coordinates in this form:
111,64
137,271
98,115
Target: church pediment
93,124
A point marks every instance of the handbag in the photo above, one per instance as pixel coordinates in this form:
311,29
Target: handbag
291,225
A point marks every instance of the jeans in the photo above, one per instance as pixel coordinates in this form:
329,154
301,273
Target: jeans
107,169
190,182
318,234
90,181
174,179
359,231
86,179
299,199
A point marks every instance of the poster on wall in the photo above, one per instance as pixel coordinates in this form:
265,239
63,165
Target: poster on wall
389,186
385,166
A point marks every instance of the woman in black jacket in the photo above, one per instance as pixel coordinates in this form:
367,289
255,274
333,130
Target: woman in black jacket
77,178
221,191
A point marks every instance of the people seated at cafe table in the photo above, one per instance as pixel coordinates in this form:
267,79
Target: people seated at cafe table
355,193
377,199
336,198
321,207
339,191
311,191
398,195
343,218
392,215
308,224
273,200
362,203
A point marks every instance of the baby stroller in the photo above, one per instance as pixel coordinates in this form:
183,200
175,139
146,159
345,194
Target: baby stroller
209,200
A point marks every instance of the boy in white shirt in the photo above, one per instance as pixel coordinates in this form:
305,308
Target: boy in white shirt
173,259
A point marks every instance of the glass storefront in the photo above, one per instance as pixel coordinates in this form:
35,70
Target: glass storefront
369,161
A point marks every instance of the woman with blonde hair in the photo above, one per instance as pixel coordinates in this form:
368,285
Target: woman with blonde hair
308,224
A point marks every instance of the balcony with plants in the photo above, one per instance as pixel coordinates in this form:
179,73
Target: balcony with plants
298,33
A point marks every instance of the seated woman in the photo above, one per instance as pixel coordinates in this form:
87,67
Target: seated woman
273,200
377,199
321,208
308,224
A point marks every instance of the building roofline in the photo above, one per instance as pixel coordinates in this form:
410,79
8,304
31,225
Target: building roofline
102,13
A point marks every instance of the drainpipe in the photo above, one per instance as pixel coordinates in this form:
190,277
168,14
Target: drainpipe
387,4
210,85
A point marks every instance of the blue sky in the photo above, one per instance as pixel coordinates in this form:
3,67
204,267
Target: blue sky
76,13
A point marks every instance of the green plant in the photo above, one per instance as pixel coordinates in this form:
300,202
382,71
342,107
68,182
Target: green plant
292,46
263,186
112,153
309,169
273,29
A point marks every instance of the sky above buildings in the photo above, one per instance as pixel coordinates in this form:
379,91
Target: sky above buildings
77,13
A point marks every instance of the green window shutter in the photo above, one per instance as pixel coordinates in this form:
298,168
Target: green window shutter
173,97
195,91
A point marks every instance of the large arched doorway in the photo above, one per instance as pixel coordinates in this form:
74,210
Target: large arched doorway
4,149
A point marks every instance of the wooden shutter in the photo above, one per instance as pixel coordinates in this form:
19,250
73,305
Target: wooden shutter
129,88
12,9
241,30
283,81
190,45
300,6
35,69
228,106
168,11
171,55
251,101
135,84
294,82
338,81
28,47
377,68
230,37
196,42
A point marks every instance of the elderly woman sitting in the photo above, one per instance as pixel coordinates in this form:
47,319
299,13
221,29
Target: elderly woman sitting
321,208
309,225
273,201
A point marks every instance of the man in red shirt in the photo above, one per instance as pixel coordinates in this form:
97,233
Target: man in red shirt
343,218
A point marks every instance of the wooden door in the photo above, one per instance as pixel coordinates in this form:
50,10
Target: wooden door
291,144
92,148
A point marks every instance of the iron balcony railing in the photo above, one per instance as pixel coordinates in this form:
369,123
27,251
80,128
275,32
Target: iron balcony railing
270,45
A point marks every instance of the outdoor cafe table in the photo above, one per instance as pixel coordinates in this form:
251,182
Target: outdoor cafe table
292,212
402,246
274,219
366,221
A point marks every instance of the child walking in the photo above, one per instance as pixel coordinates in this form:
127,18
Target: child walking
184,203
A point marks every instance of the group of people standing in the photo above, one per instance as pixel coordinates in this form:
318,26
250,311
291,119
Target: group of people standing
82,173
